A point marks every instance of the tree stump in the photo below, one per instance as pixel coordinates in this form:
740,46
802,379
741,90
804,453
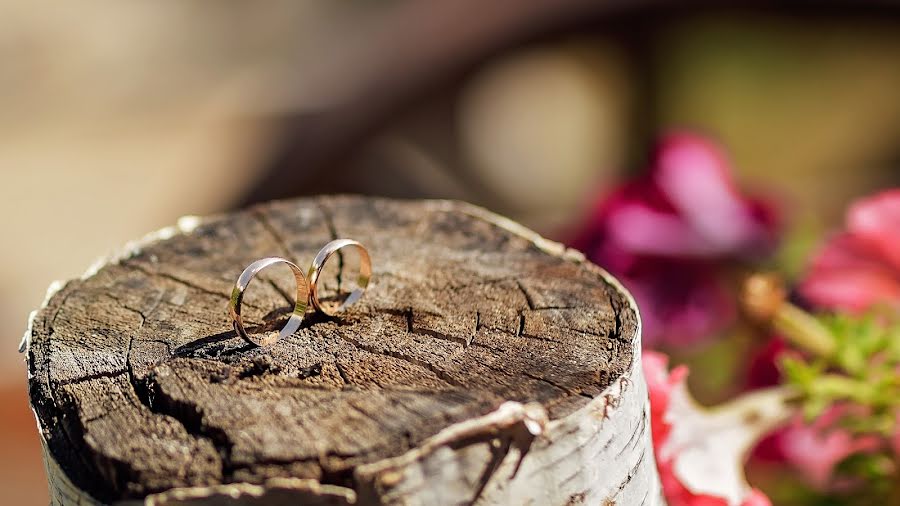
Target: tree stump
485,365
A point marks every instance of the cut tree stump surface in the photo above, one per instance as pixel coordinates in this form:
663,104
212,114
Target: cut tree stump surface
141,386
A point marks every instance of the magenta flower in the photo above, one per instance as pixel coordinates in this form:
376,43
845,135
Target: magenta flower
860,268
670,233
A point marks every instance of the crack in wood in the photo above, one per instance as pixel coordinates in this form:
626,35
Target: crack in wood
631,473
89,377
190,417
481,282
137,267
635,436
552,383
284,295
475,330
528,299
536,338
440,373
332,230
442,336
616,332
164,343
266,224
341,372
172,277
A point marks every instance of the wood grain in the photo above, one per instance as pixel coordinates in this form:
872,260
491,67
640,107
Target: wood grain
480,355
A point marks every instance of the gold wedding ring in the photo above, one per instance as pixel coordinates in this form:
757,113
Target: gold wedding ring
237,296
362,280
307,291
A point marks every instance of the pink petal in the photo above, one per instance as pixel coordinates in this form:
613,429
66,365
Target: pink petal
861,267
670,234
816,449
850,290
642,229
756,498
875,221
695,176
847,275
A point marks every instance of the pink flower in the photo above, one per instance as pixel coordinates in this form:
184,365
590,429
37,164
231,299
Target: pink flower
854,271
698,452
860,268
815,449
669,233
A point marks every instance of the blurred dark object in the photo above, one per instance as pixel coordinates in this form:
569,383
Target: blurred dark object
418,48
416,56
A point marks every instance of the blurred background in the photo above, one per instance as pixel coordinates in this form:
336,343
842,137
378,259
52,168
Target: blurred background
117,117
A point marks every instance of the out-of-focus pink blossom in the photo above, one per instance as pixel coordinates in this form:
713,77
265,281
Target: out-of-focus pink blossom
670,406
668,233
812,448
876,222
855,270
815,449
860,267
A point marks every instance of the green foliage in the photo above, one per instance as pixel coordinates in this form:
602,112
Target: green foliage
864,373
862,378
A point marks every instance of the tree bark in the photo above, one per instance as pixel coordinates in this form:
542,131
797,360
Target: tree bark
485,365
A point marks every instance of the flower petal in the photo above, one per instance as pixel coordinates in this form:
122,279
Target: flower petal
875,221
700,452
756,498
696,177
671,234
846,274
815,449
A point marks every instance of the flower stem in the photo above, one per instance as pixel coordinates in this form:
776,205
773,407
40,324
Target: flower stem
804,330
764,299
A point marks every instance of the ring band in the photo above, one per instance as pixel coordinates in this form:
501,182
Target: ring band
237,295
365,273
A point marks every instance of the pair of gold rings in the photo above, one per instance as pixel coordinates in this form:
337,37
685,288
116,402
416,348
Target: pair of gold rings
307,292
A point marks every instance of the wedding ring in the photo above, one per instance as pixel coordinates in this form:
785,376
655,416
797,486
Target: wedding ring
362,280
237,295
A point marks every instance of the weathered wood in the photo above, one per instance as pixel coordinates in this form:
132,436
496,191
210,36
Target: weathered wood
484,364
